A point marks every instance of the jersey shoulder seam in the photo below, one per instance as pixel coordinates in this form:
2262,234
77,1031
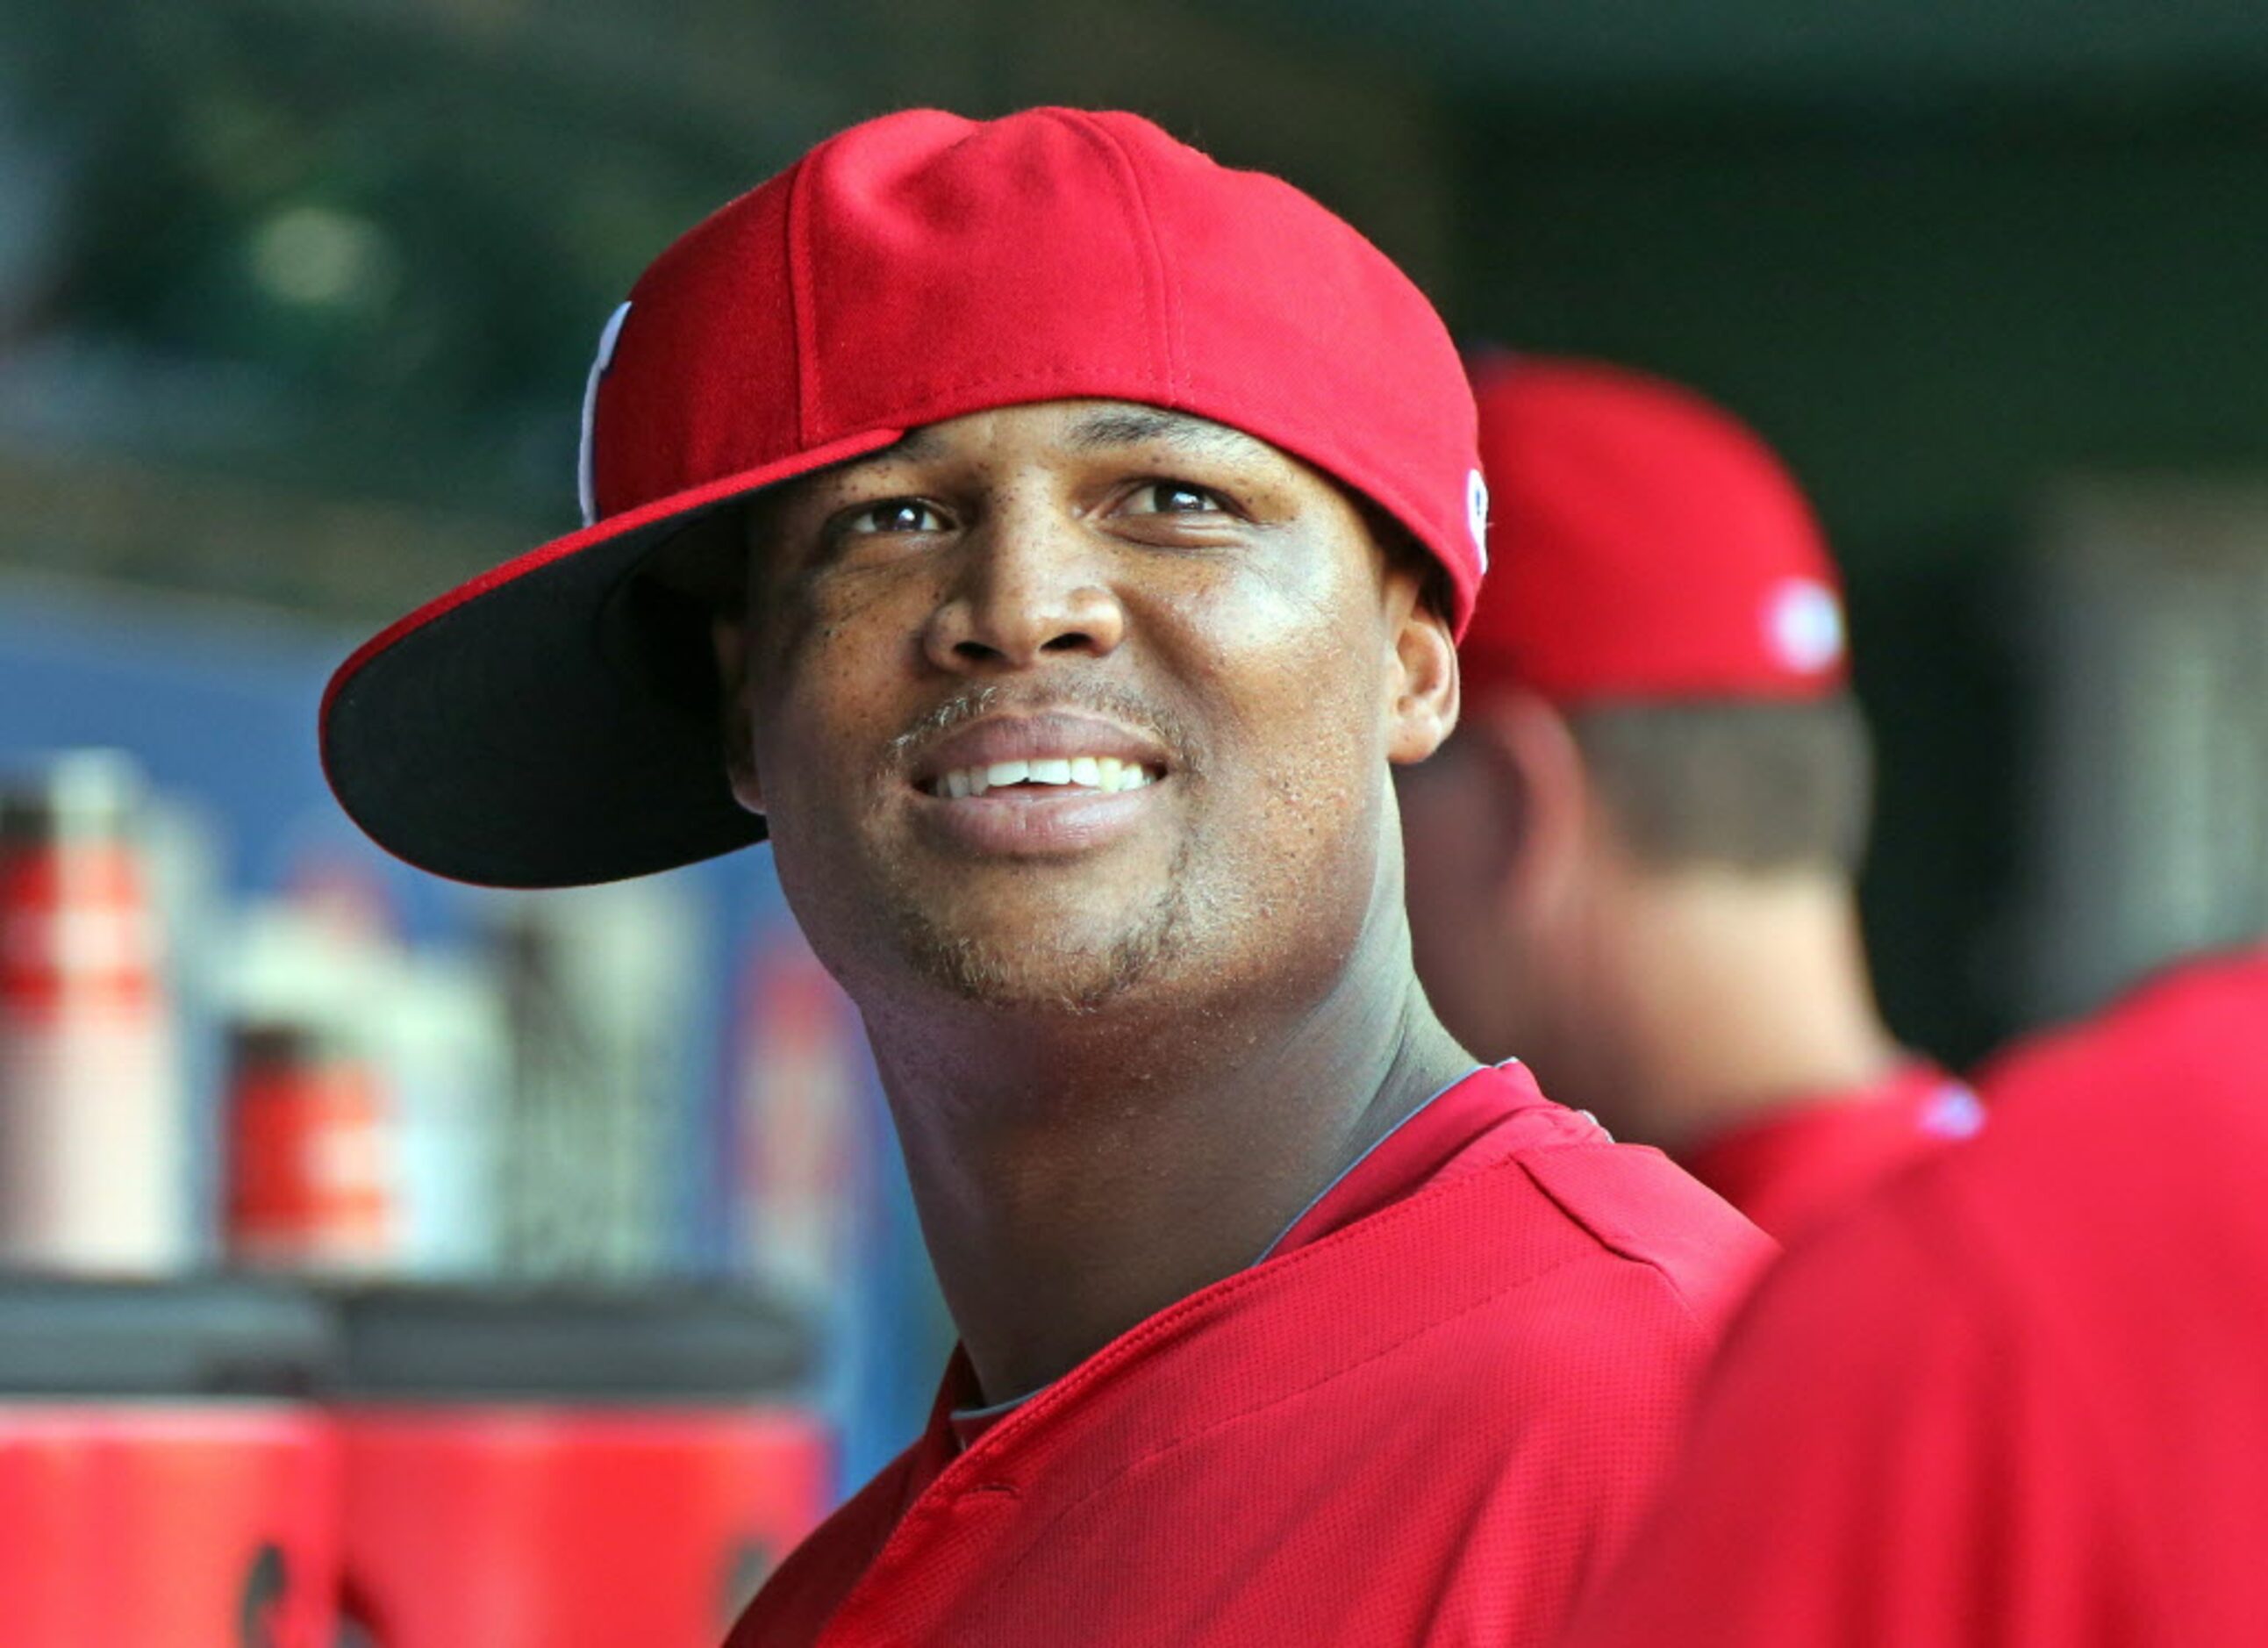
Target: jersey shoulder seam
1625,1246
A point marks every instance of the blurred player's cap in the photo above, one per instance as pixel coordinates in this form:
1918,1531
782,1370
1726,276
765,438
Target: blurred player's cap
554,721
1648,546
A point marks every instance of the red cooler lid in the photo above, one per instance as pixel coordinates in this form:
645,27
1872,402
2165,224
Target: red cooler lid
682,1343
207,1338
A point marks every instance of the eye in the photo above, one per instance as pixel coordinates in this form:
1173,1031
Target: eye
890,514
1174,498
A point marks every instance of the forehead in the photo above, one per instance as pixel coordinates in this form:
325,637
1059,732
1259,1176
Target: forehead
1081,428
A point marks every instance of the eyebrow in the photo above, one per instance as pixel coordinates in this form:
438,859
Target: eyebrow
1124,426
1141,425
918,442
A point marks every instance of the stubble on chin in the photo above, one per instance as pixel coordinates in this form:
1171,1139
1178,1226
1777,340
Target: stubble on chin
1063,974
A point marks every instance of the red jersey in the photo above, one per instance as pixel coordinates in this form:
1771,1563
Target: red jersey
1423,1417
2018,1397
1787,1166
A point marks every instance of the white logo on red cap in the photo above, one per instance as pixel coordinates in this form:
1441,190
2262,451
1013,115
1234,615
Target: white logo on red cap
1803,625
1477,514
586,484
1953,1113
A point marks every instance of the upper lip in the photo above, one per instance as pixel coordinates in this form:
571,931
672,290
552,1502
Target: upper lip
1031,736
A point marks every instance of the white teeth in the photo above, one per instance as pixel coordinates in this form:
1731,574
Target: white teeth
1104,775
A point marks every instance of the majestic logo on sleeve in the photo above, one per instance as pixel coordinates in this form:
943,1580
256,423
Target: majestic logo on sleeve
586,485
1476,512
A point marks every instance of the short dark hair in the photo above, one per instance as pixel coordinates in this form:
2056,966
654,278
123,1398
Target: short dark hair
707,560
1406,552
1746,783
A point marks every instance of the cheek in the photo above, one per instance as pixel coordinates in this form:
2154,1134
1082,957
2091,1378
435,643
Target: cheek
831,693
1302,652
1306,756
1303,738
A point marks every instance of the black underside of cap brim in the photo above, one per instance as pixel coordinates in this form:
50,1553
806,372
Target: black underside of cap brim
559,728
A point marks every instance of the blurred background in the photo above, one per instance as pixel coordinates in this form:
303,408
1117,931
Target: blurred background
295,301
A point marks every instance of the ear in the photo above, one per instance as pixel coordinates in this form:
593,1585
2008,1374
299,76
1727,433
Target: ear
1526,740
1424,680
728,638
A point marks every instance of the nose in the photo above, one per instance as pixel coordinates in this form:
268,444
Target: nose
1024,587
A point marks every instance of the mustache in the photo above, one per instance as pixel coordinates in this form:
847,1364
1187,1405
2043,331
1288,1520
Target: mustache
1102,698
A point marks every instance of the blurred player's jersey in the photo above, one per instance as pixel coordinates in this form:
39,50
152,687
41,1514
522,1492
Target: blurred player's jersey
2019,1395
1424,1417
1789,1165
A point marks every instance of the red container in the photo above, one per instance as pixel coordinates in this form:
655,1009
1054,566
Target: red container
92,1165
167,1524
525,1525
308,1183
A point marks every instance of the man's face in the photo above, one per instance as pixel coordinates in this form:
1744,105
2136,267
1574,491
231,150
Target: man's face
1058,704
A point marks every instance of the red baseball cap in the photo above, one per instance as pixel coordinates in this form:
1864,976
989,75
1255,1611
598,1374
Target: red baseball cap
1648,546
554,721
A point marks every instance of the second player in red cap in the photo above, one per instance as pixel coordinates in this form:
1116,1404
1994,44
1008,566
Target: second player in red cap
1633,864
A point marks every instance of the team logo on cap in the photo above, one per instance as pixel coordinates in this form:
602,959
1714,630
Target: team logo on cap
1803,625
586,484
1476,512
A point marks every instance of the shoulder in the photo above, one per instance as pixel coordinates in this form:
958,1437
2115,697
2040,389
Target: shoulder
1563,1190
1899,1410
1628,1207
1864,1433
1595,1277
805,1591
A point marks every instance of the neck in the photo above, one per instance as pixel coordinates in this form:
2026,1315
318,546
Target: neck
1076,1173
1738,995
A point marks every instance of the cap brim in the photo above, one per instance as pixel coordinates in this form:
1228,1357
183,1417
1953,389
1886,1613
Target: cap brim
553,722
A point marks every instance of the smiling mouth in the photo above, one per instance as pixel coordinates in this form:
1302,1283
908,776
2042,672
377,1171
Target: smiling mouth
1068,775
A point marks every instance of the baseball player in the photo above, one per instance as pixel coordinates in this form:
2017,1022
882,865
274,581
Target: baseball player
1049,538
1632,865
2017,1397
